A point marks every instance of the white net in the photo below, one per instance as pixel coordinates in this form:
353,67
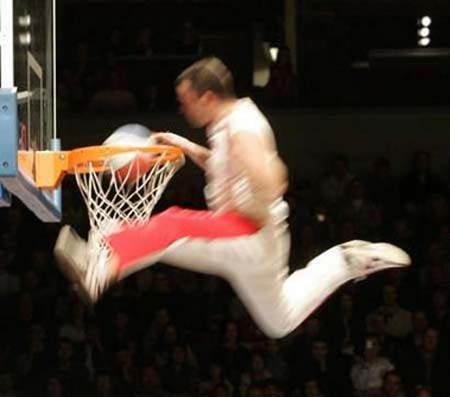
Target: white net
114,200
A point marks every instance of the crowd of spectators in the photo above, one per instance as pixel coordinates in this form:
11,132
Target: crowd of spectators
128,69
133,69
165,332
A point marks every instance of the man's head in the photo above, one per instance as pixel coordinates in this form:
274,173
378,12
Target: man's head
371,347
392,384
319,350
430,340
419,320
389,295
202,88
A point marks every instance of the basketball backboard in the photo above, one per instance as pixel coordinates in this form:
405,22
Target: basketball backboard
27,101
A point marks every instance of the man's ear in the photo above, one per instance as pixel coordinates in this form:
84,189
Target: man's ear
208,97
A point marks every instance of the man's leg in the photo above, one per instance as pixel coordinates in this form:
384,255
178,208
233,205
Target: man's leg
256,267
89,264
255,264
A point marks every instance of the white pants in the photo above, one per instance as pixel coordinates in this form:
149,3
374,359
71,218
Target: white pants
254,261
257,268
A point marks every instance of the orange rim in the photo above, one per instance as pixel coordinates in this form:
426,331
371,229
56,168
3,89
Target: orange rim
83,160
48,168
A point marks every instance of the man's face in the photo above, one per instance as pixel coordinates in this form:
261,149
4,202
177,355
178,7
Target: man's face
431,339
192,106
392,384
319,350
389,295
371,349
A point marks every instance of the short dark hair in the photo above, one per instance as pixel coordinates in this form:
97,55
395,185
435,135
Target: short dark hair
209,74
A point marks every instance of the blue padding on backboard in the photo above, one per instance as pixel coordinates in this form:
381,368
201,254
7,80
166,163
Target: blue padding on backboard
45,205
9,130
5,197
37,201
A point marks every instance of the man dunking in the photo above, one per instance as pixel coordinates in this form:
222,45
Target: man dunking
243,236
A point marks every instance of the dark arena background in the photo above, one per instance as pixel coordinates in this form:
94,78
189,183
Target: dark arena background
358,95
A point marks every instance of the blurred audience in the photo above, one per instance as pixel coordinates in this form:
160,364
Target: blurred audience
167,333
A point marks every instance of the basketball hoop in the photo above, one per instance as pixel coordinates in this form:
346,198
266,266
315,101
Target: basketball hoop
111,201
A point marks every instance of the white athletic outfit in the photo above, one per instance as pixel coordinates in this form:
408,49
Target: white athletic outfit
255,263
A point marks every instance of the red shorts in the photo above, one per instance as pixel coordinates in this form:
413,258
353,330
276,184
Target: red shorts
165,228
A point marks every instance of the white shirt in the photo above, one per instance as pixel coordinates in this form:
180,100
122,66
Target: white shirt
369,375
398,320
228,189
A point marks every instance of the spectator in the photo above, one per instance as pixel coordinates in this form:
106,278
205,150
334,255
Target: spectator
323,367
376,325
125,370
144,42
221,390
398,320
346,231
307,246
115,47
113,95
74,329
77,78
35,354
369,369
70,369
334,185
361,211
214,378
275,362
189,42
346,323
180,374
54,387
104,386
439,312
232,355
273,389
280,87
7,385
392,385
9,282
422,391
146,84
311,388
96,355
257,370
155,330
428,365
254,390
404,236
419,325
150,384
419,184
165,347
383,188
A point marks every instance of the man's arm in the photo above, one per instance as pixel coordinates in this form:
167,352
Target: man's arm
197,153
267,173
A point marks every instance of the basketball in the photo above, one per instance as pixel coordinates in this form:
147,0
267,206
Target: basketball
128,167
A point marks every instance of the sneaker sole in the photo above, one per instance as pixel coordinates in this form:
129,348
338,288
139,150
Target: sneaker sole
392,254
379,256
389,253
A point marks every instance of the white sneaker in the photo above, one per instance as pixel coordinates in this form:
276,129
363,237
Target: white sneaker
364,258
87,268
71,253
